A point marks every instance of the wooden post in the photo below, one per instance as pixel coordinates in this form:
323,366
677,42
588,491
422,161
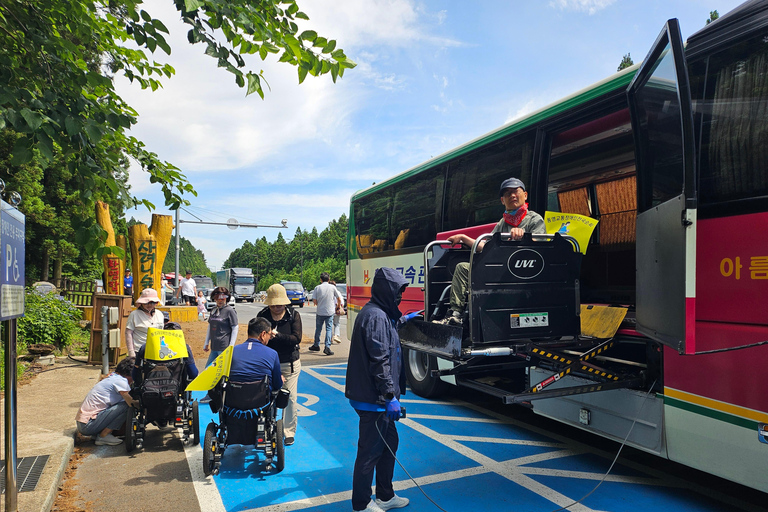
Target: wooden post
148,251
114,267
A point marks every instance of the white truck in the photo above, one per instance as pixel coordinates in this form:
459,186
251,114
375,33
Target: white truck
239,281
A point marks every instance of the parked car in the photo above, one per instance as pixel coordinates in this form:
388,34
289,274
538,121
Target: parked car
295,291
342,287
310,295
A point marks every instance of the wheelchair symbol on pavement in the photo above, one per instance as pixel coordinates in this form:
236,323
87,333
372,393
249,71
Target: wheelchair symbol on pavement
303,409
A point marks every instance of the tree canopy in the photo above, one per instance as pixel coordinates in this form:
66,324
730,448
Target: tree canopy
59,104
626,62
303,258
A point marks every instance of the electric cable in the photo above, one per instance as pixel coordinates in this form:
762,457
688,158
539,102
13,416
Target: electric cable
610,468
623,443
403,467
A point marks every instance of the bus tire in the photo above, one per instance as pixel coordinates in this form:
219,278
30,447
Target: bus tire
418,371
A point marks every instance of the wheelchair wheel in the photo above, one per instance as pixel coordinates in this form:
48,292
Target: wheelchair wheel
208,449
130,433
195,424
279,446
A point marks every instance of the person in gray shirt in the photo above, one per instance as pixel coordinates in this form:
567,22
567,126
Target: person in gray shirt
222,325
325,299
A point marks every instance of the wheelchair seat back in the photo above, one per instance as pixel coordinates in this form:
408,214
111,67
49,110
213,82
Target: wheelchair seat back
524,289
160,387
247,395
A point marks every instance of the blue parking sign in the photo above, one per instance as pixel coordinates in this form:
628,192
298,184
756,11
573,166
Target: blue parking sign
12,232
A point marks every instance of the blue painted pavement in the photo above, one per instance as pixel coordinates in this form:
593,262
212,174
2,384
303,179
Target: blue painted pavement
465,458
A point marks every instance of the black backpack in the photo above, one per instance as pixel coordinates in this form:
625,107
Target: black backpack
161,382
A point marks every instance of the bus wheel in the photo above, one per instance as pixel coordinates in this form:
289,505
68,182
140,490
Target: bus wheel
418,370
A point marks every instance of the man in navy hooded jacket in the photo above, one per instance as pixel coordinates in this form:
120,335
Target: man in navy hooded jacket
375,380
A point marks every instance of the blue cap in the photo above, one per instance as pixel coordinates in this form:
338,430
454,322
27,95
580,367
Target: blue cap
511,183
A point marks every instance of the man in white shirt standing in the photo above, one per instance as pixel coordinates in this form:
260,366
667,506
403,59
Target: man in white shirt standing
188,290
325,299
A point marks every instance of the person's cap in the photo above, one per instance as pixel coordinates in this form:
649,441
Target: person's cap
511,183
148,295
166,316
276,296
188,272
127,271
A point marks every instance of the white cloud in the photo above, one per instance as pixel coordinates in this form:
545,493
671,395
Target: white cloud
588,6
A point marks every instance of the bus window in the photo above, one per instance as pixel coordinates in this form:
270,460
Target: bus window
734,148
416,209
472,194
372,222
658,111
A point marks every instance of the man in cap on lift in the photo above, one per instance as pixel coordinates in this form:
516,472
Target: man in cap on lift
517,220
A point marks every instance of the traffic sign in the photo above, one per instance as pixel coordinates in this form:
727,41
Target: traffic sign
12,233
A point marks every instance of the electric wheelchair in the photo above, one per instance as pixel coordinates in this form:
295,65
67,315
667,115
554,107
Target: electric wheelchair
159,387
247,416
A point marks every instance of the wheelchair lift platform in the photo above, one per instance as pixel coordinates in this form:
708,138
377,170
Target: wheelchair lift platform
523,311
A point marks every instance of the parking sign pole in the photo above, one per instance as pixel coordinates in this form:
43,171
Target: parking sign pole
12,231
9,343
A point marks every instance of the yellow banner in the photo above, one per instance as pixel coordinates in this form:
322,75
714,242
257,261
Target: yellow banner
579,227
211,375
165,345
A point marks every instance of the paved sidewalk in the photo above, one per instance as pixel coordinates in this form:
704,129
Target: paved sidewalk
46,409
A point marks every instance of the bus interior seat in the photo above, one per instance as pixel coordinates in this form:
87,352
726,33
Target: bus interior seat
364,243
402,238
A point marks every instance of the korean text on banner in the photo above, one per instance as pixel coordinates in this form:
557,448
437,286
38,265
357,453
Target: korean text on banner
165,345
579,227
209,377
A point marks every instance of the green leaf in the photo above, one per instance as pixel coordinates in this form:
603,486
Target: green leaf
302,73
145,16
94,132
301,15
159,26
22,153
33,119
330,46
151,44
294,45
254,84
308,35
45,145
192,5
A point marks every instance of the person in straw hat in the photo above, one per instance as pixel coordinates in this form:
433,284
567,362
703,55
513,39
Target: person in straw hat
141,319
286,324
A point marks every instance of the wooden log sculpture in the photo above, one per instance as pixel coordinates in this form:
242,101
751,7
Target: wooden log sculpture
114,266
148,251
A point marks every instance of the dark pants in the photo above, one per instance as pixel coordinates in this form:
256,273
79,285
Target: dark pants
372,454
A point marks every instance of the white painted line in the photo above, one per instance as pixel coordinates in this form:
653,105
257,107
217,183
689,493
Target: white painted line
208,496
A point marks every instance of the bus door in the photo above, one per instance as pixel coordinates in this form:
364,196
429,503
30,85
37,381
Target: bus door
662,123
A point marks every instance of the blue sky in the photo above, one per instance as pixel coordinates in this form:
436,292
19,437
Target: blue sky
431,75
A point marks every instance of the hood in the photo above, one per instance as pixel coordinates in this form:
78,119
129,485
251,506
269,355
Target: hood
386,283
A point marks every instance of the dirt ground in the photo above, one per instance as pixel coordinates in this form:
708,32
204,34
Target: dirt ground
194,334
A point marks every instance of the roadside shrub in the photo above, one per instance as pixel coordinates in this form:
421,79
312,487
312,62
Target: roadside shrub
48,318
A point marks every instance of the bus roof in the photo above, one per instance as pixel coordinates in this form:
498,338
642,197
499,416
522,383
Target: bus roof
613,82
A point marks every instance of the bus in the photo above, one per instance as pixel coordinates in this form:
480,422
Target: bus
671,156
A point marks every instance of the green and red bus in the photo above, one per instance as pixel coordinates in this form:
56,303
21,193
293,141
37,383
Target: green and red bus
672,157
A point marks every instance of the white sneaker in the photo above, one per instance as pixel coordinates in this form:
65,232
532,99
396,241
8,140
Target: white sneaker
372,507
395,502
337,340
108,440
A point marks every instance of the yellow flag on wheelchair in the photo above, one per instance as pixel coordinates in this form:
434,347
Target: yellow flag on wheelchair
211,375
164,345
579,227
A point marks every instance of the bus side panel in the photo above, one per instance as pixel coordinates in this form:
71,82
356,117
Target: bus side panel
360,274
717,400
701,434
